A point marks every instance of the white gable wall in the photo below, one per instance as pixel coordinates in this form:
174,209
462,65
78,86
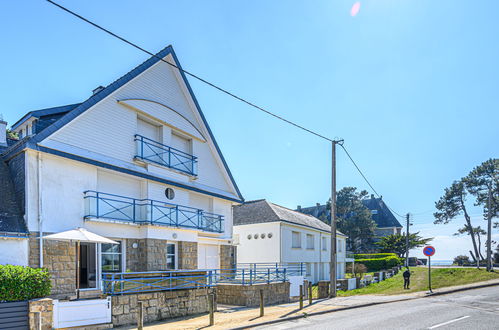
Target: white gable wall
108,128
251,250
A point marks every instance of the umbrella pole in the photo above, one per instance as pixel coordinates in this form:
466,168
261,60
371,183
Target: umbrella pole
78,270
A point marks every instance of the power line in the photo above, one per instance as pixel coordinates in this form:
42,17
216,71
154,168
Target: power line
189,73
219,89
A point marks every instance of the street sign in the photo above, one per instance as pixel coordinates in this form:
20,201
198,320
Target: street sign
429,251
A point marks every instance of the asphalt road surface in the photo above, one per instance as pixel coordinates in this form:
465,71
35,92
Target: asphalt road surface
471,309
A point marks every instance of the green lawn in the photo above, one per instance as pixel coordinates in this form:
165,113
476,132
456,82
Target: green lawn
440,277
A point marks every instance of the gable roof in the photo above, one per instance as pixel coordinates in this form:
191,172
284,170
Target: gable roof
97,97
383,216
44,112
261,211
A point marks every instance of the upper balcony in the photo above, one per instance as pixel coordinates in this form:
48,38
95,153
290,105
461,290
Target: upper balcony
99,205
154,152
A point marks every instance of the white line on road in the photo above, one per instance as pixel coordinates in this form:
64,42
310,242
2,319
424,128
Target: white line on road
448,322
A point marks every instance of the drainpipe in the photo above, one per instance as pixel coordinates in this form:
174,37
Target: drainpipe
40,220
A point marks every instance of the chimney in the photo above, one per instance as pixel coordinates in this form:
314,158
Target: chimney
372,196
317,204
97,90
3,132
299,208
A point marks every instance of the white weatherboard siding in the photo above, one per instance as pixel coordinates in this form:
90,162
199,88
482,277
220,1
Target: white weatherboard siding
14,251
251,250
108,128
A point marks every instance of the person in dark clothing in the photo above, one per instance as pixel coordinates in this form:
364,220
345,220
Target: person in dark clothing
407,278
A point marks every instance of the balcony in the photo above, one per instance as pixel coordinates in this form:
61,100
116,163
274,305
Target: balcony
99,205
157,153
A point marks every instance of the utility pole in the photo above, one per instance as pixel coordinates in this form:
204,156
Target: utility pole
332,263
489,232
407,216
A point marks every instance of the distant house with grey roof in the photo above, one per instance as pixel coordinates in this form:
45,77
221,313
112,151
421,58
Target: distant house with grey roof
269,233
386,222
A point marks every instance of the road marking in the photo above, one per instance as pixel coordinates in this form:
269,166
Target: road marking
448,322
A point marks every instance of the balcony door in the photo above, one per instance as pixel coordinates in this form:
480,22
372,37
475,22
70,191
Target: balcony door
88,266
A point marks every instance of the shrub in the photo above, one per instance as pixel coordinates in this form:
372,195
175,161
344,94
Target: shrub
374,255
461,260
23,283
374,265
358,270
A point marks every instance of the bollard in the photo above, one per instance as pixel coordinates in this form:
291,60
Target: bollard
309,293
140,317
261,303
211,299
301,296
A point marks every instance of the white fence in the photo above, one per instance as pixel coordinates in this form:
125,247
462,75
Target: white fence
81,312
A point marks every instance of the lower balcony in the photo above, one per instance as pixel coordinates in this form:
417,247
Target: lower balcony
100,205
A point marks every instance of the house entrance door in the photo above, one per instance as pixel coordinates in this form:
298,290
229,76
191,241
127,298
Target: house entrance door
88,266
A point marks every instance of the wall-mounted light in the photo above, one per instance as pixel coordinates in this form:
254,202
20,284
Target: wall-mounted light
135,245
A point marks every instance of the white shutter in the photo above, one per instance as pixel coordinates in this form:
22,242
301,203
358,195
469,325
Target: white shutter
180,143
148,130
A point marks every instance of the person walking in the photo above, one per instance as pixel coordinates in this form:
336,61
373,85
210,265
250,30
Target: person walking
407,278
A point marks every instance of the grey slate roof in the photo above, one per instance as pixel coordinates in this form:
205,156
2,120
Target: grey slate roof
261,211
384,217
11,217
45,112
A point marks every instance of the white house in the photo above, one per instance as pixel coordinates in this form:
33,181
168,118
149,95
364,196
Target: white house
136,162
269,233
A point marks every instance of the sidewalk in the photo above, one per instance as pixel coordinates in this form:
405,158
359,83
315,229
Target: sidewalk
229,317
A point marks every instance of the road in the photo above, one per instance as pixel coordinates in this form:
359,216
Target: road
472,309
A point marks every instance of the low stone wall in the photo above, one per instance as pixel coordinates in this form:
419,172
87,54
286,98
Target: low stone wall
159,305
249,295
44,308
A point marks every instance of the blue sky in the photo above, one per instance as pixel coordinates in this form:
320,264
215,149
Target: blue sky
410,85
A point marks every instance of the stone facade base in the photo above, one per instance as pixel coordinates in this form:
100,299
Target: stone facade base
249,295
159,305
40,313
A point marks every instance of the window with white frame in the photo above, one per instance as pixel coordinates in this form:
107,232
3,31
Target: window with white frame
310,242
111,258
339,246
296,239
308,269
324,244
171,256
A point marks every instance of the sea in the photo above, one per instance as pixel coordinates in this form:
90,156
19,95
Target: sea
441,262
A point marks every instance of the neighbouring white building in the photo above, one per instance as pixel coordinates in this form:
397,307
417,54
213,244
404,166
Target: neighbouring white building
136,162
269,233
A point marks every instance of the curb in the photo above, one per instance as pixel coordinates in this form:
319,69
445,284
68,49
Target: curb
291,318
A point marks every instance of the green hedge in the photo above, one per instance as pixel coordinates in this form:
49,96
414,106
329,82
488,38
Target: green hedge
23,283
373,255
374,265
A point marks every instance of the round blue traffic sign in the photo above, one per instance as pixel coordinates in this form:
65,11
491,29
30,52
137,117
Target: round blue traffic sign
429,251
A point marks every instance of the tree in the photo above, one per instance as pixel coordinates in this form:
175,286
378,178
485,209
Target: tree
354,219
477,183
462,260
396,243
453,204
477,231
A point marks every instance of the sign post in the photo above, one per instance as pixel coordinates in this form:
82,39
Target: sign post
429,251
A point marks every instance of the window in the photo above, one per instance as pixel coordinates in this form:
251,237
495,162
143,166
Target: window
339,246
112,257
324,244
310,242
180,143
295,240
309,269
171,260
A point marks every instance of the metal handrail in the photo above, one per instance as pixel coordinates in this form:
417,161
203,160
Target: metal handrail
165,155
135,210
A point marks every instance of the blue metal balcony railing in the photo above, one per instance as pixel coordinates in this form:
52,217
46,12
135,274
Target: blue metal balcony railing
147,211
158,153
136,282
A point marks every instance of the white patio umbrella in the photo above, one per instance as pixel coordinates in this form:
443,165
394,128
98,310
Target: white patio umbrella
79,235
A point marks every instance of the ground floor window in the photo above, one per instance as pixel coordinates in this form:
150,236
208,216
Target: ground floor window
171,256
309,269
111,258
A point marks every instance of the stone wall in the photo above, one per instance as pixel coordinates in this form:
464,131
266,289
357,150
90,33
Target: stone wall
227,257
159,305
156,254
136,257
41,309
59,258
249,295
187,255
323,289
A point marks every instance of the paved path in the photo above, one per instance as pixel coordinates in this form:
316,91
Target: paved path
471,309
